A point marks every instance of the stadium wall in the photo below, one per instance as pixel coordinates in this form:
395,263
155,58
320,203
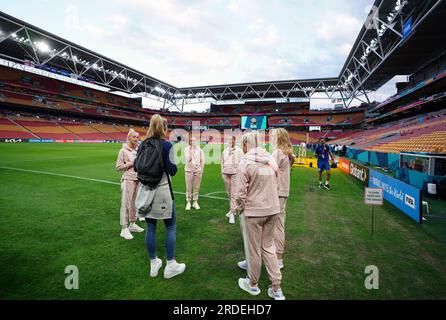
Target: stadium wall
378,159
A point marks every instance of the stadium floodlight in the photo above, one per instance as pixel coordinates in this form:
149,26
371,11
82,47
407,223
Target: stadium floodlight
42,47
14,35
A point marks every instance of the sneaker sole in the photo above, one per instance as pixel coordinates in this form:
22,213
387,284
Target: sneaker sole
154,275
271,295
169,276
240,284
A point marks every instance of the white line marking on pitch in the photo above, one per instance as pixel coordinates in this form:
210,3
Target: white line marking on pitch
212,193
40,160
91,179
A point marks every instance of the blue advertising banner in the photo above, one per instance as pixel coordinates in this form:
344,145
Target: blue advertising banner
407,29
41,141
401,195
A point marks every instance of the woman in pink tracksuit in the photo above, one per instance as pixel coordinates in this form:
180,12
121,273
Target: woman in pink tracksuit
194,171
230,161
129,185
258,203
284,156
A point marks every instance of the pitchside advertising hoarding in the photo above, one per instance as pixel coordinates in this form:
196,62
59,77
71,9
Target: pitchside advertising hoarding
401,195
360,172
344,165
13,140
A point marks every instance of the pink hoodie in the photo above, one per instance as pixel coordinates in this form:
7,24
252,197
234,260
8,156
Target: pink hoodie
126,157
283,178
257,184
194,159
230,160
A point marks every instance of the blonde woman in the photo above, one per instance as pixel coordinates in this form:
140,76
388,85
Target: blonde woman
284,156
230,160
258,203
157,134
129,185
194,172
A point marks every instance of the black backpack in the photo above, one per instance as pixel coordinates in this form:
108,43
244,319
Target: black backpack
149,163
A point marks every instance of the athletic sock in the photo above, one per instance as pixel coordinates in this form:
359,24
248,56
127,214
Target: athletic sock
170,262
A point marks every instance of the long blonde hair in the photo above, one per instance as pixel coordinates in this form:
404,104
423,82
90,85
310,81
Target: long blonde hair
281,141
157,127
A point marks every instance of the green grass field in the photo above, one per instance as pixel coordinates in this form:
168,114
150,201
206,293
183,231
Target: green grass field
48,222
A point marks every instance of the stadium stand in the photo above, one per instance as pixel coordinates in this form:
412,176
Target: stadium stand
11,130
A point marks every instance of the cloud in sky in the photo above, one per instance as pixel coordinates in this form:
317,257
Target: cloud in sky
198,42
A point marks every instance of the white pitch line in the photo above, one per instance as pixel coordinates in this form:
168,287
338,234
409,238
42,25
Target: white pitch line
212,193
90,179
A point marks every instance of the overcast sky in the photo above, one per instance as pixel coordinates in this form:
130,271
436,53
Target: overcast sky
196,42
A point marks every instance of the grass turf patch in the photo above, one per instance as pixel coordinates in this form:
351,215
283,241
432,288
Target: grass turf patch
48,222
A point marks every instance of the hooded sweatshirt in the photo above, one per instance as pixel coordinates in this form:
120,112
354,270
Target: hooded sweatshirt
283,177
126,157
257,194
231,159
194,159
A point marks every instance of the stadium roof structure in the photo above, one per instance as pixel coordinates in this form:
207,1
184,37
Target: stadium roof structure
397,38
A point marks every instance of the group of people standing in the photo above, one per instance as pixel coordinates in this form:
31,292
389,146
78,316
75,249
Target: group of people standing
256,181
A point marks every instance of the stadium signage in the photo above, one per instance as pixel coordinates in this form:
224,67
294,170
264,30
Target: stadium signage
373,196
359,172
41,141
11,140
403,196
344,165
407,28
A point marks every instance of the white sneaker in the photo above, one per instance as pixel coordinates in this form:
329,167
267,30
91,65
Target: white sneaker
173,269
125,233
244,284
231,219
135,228
228,214
280,261
276,295
243,265
196,206
188,206
155,266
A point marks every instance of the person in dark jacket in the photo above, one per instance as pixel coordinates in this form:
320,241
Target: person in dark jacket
158,130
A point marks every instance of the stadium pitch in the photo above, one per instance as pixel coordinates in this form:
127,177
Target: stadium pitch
60,204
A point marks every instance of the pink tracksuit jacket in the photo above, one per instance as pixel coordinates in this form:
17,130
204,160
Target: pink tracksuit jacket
194,159
125,160
230,160
257,192
283,177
